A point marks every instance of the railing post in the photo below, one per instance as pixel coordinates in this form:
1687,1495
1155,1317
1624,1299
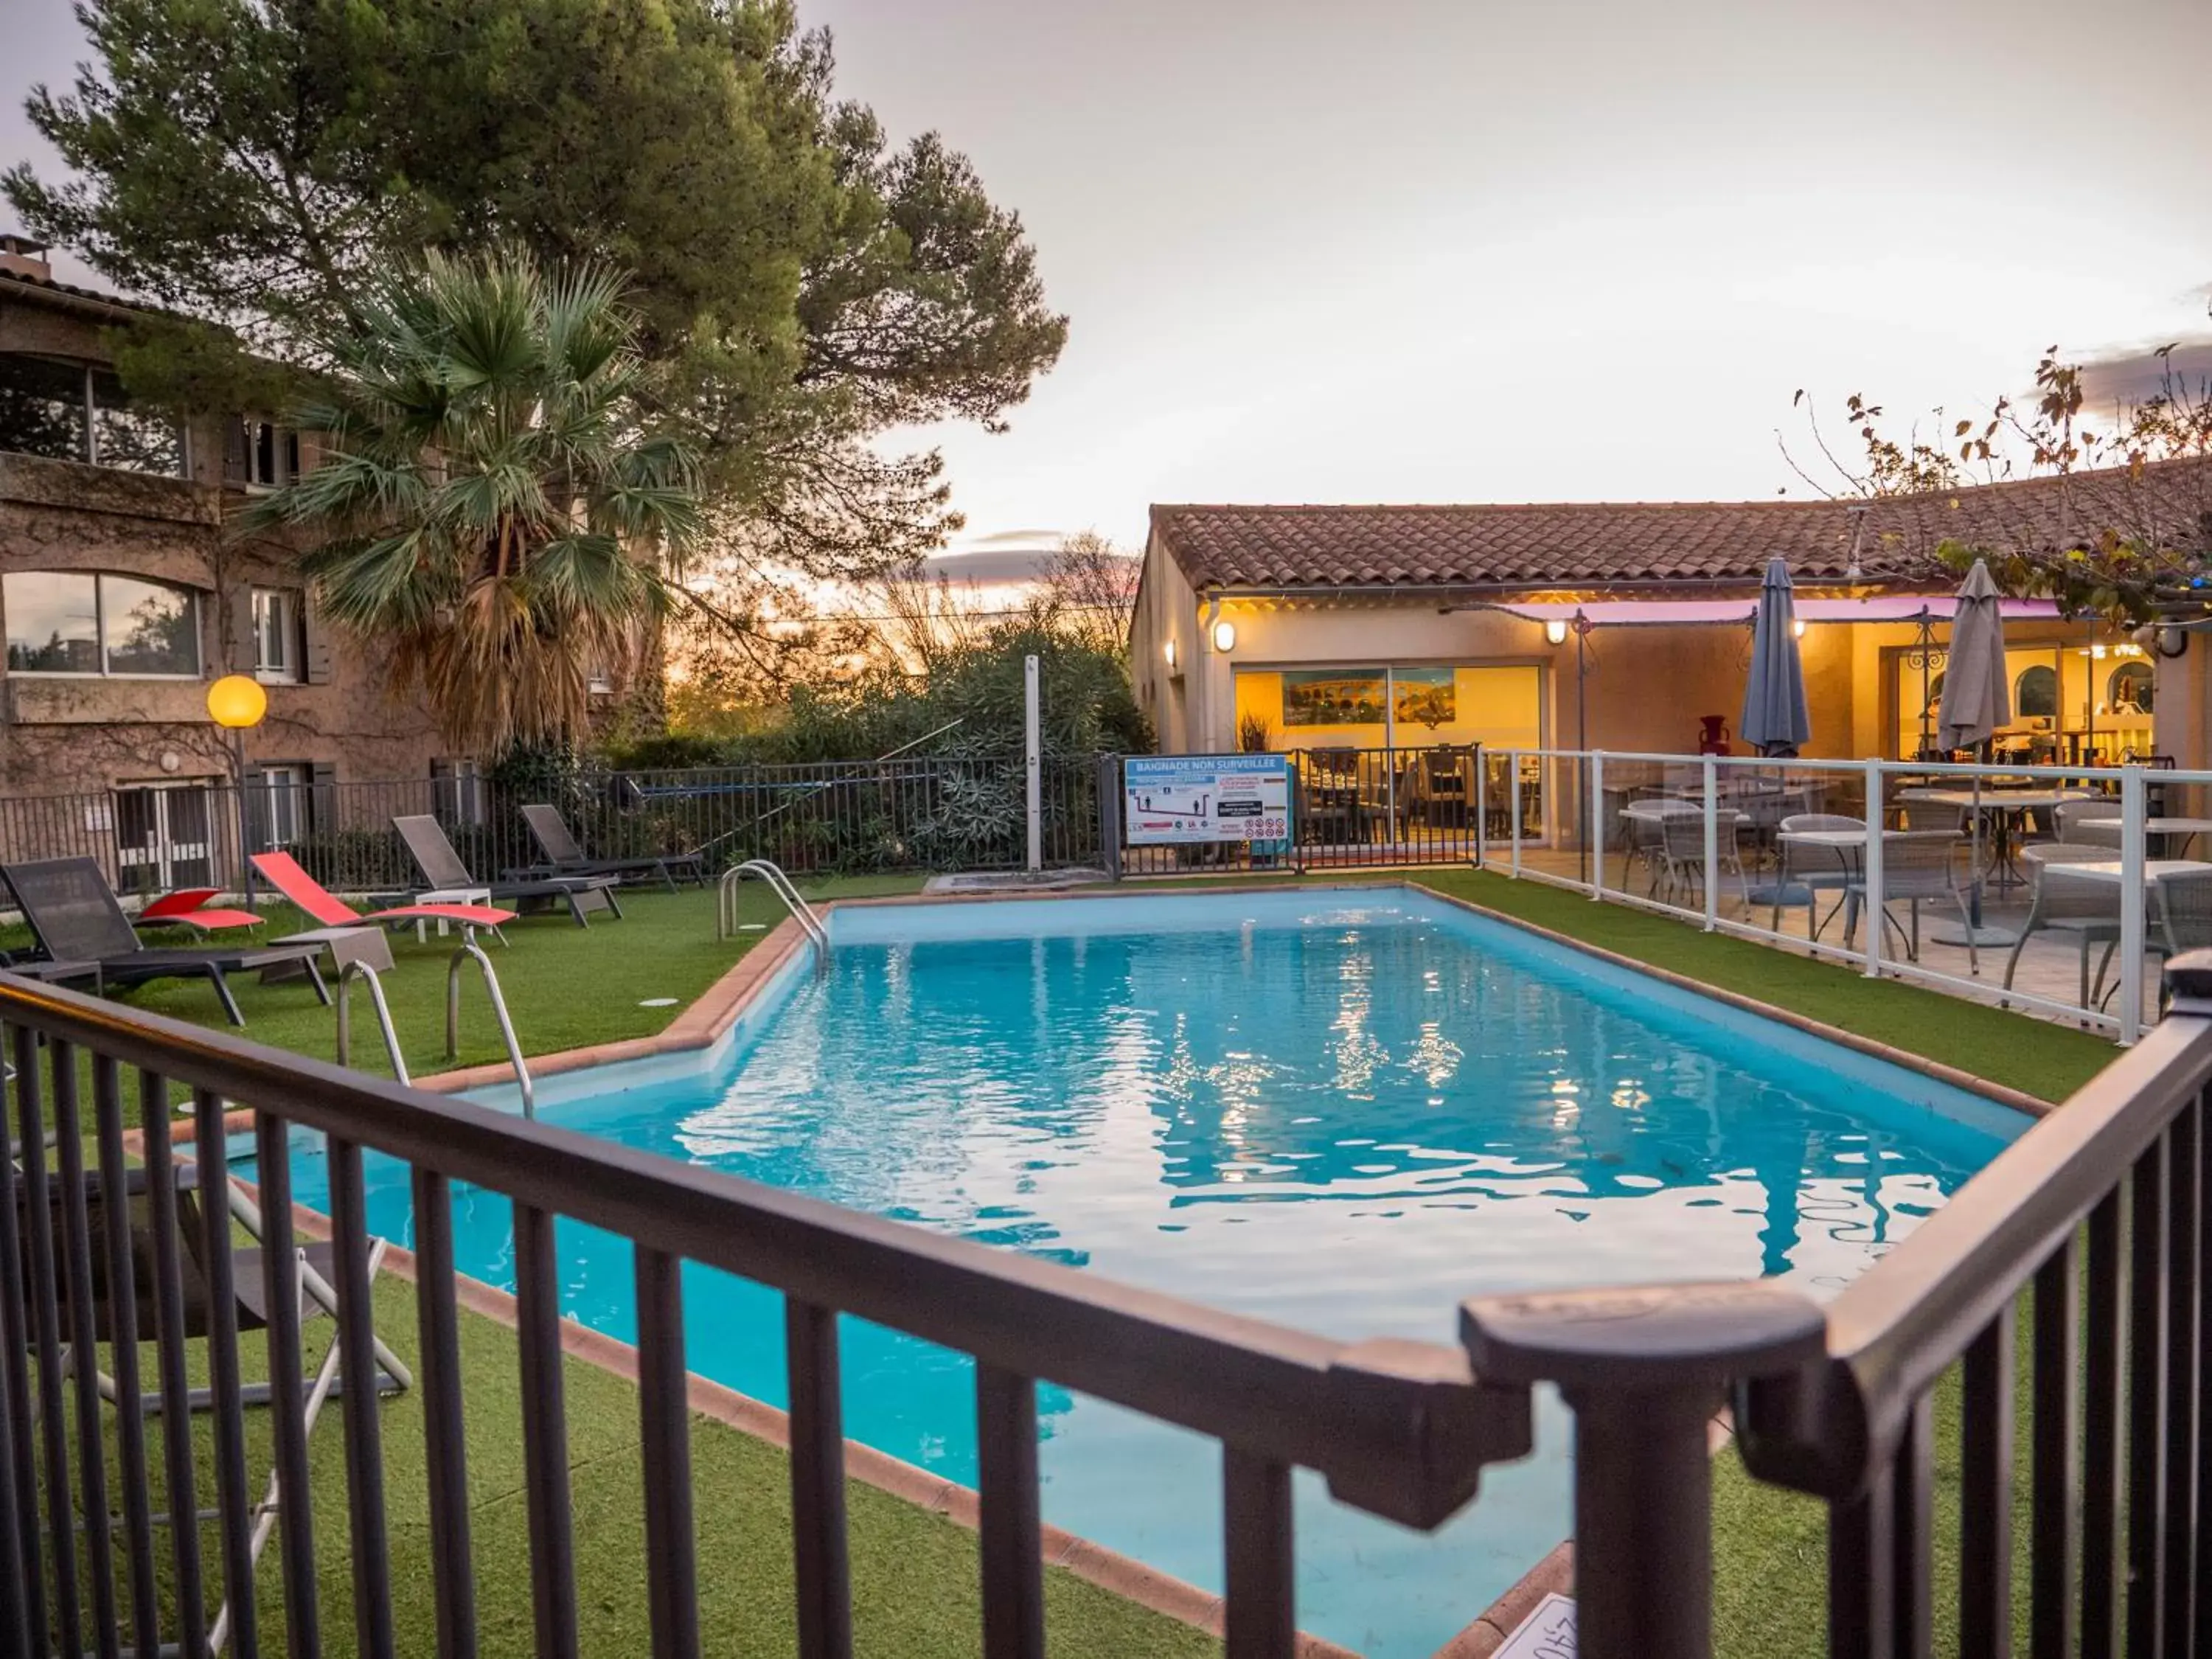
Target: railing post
1712,769
1513,778
2134,893
1643,1370
1594,831
1482,805
1870,869
1109,815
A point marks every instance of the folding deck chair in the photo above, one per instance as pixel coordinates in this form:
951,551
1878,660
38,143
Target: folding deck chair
565,856
188,1250
77,919
444,872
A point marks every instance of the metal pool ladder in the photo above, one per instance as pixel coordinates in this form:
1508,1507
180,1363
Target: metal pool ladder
726,901
353,971
469,951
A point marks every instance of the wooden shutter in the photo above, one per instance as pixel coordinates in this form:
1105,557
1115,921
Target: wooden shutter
239,649
322,799
316,641
255,809
234,451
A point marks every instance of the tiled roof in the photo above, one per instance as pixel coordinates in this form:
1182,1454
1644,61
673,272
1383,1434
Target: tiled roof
1597,544
15,284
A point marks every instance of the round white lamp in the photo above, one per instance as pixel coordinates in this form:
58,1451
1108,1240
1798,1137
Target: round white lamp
1225,637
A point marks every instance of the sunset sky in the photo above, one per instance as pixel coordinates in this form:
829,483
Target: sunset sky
1451,250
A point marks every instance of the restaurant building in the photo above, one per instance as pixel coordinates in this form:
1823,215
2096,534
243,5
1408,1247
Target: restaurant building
1627,626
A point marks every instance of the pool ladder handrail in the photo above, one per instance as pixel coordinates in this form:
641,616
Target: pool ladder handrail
725,908
352,971
470,951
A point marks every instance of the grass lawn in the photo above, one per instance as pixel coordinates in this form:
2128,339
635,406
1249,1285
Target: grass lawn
915,1574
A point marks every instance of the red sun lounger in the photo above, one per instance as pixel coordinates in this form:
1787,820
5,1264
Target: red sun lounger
285,875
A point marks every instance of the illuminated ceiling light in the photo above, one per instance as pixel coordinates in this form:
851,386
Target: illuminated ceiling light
1225,637
1556,632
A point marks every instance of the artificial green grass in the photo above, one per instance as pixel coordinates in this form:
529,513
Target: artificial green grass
915,1576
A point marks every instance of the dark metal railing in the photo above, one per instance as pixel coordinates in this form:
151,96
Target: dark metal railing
1353,809
2090,1229
912,813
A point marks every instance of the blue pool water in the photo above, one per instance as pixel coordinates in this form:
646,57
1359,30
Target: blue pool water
1344,1112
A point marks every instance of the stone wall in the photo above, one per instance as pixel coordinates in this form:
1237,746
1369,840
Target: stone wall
63,734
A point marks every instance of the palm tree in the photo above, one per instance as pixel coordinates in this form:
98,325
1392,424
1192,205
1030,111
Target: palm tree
492,515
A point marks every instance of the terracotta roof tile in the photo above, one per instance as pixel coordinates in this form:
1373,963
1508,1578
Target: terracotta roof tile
1596,543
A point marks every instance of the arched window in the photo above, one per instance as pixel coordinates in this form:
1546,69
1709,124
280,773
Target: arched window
2035,693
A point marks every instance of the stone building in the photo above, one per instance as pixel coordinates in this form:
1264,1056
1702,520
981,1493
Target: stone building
125,588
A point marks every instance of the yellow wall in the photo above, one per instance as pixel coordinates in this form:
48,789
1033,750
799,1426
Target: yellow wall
1499,707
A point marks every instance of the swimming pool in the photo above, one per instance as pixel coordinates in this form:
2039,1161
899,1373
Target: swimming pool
1344,1111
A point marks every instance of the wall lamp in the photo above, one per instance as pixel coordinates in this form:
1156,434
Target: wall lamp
1556,632
1797,626
1171,651
1225,637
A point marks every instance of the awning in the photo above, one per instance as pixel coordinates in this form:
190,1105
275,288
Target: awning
1690,613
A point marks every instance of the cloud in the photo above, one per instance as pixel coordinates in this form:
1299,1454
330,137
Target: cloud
2132,376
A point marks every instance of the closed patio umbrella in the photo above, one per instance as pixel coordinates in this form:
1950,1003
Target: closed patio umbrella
1774,720
1977,700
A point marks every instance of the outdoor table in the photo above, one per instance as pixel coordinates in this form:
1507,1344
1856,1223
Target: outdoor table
1850,847
2003,807
2153,870
2183,831
447,895
1658,811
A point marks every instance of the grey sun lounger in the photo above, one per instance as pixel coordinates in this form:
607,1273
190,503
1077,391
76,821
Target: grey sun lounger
75,917
443,873
565,856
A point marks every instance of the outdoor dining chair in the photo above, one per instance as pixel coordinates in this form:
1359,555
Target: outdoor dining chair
1811,870
2179,918
2087,823
1917,866
1682,853
2087,911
